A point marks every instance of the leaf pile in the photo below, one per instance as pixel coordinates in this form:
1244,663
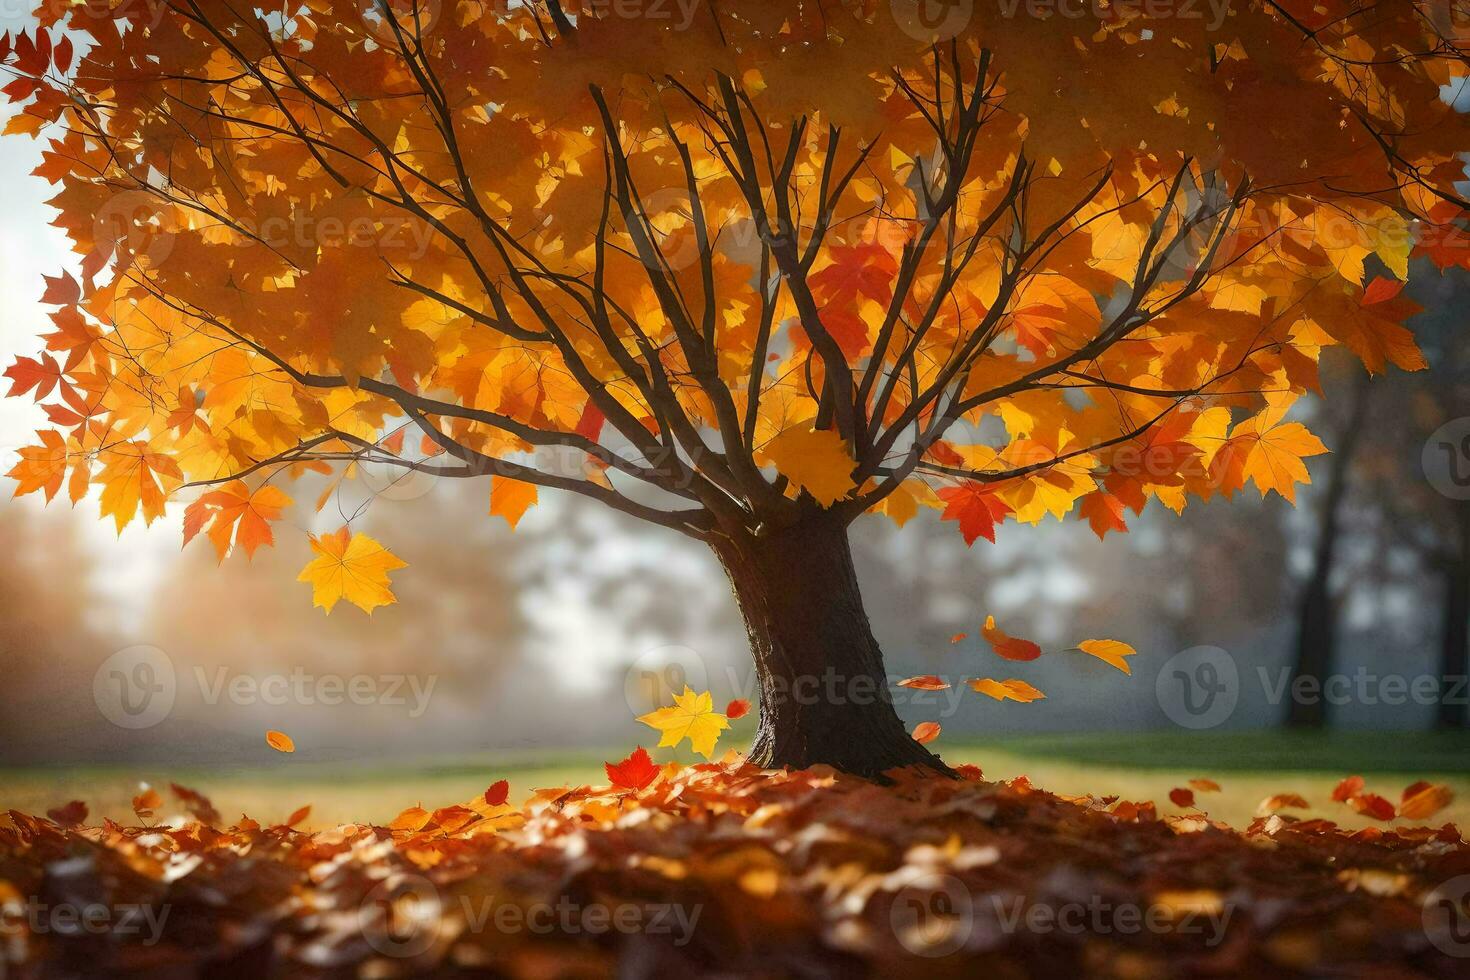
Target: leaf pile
807,873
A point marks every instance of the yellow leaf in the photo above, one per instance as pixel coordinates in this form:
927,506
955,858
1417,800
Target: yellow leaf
1012,689
691,716
1274,452
511,499
354,569
1109,652
817,461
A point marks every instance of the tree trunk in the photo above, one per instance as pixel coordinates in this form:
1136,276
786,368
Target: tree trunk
824,697
1454,638
1316,645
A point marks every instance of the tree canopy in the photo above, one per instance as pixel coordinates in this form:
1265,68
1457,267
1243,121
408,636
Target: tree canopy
720,269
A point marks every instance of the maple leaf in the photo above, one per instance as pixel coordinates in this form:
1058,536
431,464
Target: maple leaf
236,512
1104,512
977,509
355,569
816,460
635,772
926,732
134,476
1270,451
1006,690
691,716
1009,647
147,802
1110,652
511,499
279,741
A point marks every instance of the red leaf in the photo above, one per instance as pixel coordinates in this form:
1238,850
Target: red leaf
1181,797
498,793
635,772
61,290
1373,805
737,708
976,509
589,426
1350,787
70,815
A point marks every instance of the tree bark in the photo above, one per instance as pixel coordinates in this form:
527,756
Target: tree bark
1316,645
824,697
1454,638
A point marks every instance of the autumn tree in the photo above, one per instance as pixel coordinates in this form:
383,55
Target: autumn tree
747,275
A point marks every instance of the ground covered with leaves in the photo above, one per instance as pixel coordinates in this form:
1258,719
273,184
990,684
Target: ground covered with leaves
723,869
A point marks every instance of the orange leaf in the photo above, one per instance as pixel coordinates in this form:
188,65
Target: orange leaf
738,708
977,509
1424,800
1283,800
926,732
1205,785
498,792
1181,797
279,741
146,802
1012,689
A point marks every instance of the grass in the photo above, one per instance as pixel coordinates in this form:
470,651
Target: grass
1250,766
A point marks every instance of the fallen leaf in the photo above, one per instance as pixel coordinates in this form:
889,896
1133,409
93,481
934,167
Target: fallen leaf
498,792
925,682
1181,797
635,772
1205,785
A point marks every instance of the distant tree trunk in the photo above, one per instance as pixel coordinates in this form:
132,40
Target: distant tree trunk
824,696
1454,637
1316,644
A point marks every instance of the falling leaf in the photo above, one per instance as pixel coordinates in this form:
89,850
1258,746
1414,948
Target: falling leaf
1205,785
737,708
1347,789
1372,805
958,637
1182,798
1009,647
1109,652
926,732
925,682
279,741
1282,801
1012,689
635,772
1422,800
354,569
692,716
297,816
